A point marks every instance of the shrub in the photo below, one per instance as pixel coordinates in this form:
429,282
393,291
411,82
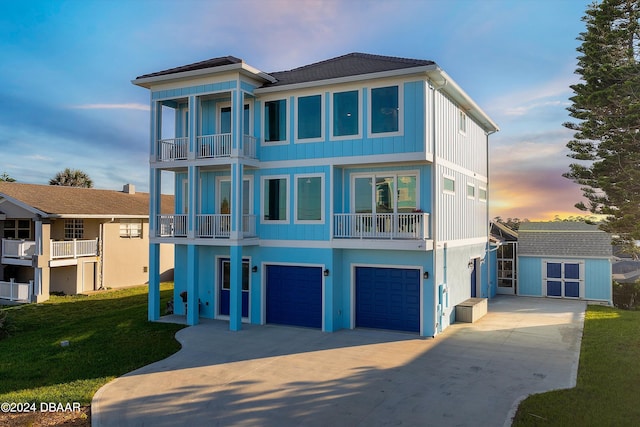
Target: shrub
626,295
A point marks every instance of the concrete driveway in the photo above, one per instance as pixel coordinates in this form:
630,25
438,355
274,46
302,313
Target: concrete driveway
472,374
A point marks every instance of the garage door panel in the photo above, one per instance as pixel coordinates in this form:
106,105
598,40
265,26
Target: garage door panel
294,295
396,296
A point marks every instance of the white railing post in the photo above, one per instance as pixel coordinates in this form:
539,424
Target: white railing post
11,286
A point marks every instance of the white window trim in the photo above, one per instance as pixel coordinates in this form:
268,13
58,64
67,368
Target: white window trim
452,178
471,185
298,140
219,107
263,121
227,178
295,198
462,122
400,130
375,174
287,200
480,190
360,111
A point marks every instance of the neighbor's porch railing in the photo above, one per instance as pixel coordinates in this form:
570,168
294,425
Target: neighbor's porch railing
14,291
412,226
19,249
74,248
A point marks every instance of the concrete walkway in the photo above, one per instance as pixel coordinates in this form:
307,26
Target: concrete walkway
471,375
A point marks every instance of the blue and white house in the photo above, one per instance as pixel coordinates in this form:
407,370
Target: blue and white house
564,260
347,193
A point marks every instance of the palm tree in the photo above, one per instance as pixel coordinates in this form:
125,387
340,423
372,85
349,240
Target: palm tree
72,178
6,178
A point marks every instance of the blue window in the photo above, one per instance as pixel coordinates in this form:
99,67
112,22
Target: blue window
309,117
345,113
225,120
309,198
245,120
275,120
384,109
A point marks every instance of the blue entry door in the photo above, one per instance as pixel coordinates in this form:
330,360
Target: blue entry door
388,298
225,289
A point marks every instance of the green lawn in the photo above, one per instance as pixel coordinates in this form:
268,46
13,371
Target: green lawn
608,386
109,335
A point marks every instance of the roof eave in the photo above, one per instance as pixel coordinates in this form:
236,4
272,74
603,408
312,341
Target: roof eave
451,88
148,82
23,205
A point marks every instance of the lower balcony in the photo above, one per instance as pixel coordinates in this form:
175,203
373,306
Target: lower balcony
207,226
389,230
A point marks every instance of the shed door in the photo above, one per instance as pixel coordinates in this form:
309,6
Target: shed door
563,279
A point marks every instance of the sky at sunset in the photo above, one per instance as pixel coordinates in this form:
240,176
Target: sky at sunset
66,69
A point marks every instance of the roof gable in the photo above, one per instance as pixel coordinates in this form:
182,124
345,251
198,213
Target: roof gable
352,64
53,200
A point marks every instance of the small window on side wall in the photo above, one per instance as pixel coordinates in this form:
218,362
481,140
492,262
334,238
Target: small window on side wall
471,191
482,194
448,185
463,122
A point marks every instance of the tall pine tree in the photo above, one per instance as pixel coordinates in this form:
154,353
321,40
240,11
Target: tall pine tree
607,106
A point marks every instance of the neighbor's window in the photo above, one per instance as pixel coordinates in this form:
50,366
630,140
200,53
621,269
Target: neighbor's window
345,113
275,120
463,122
17,229
384,109
309,117
73,229
449,184
131,228
275,199
309,198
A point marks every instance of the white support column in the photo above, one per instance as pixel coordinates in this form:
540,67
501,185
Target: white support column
156,129
192,126
192,185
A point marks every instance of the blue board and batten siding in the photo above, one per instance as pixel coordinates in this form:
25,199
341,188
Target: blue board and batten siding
299,273
597,277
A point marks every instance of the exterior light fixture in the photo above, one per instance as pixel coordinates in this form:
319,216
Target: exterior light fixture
326,272
425,275
254,269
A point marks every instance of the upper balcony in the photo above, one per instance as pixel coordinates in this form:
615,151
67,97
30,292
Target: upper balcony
216,226
207,147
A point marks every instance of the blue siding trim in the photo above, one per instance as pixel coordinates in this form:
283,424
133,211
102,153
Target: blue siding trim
154,282
529,276
247,87
598,279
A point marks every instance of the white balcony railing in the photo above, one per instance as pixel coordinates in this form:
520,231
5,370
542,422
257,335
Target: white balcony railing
219,225
212,146
172,225
18,249
249,145
411,226
173,149
74,248
14,291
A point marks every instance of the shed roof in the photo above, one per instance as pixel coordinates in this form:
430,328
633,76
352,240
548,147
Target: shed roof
56,201
563,239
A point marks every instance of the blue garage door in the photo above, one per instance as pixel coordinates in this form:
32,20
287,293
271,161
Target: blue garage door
294,295
388,298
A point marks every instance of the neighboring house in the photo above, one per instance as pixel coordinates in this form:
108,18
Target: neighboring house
347,193
564,260
72,240
506,258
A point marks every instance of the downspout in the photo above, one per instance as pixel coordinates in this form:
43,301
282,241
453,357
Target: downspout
434,192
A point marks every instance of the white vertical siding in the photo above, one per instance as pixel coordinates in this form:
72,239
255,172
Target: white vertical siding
462,156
